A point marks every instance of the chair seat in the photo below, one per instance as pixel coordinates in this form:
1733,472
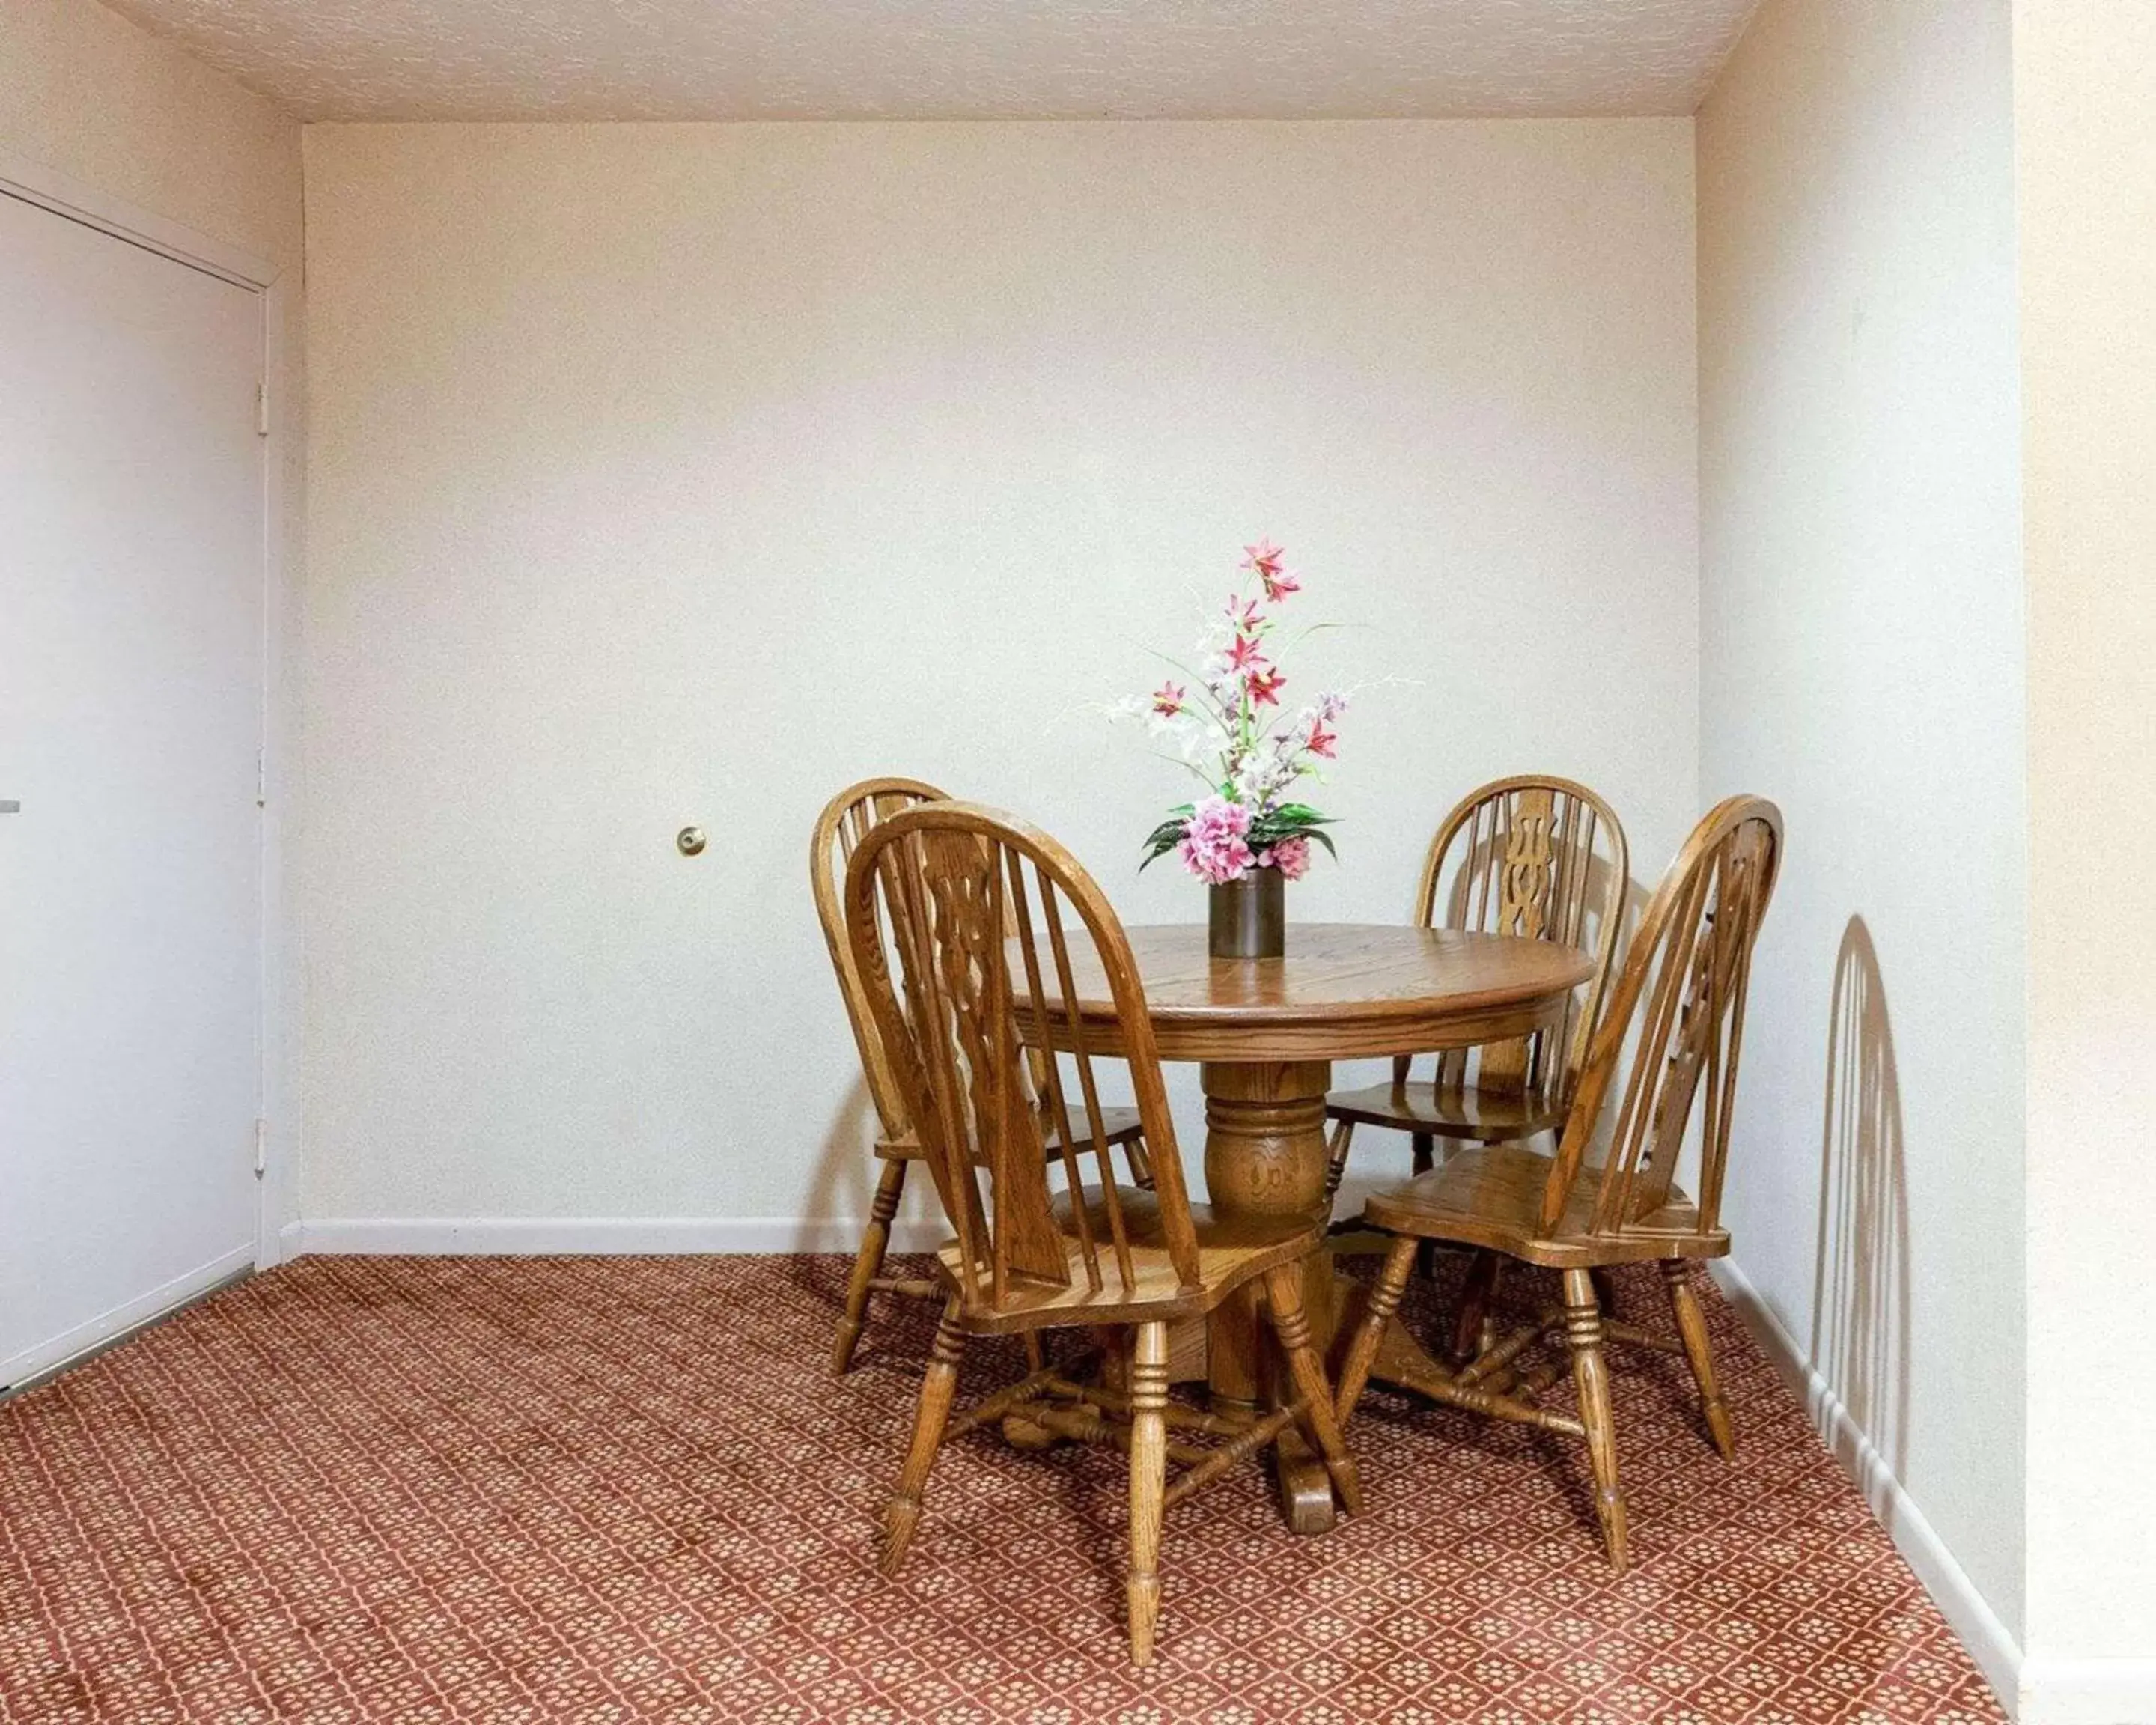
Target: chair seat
1141,1223
1231,1251
1461,1112
1121,1125
1491,1196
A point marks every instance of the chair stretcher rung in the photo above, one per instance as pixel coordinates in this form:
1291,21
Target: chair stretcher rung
1086,1424
1218,1461
1479,1401
1026,1388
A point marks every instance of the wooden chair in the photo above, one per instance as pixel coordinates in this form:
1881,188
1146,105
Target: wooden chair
847,819
1689,965
1529,855
931,894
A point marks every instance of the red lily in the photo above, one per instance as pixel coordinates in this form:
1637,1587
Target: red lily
1265,557
1278,582
1321,741
1246,655
1168,701
1262,684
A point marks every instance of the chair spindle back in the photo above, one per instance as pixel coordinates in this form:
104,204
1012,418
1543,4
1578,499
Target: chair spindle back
1544,858
847,819
1690,966
957,917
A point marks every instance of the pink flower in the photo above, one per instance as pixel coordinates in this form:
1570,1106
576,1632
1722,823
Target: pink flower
1320,740
1265,557
1291,856
1243,613
1213,846
1278,583
1264,683
1246,655
1168,701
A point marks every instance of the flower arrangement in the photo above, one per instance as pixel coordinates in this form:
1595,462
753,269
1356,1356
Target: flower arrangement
1236,735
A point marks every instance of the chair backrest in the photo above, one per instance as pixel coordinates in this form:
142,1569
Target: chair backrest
957,918
1685,981
847,819
1537,857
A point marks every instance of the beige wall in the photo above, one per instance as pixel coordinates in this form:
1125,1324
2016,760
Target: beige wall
674,474
87,93
1862,644
2084,70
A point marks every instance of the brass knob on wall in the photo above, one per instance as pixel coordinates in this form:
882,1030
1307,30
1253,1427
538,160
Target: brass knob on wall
689,840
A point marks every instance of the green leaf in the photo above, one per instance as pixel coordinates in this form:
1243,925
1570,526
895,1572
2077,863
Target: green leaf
1281,824
1163,838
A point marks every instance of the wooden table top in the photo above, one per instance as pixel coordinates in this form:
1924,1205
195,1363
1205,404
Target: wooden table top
1344,990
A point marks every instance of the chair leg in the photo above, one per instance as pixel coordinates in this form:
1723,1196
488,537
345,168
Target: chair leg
1384,1301
1691,1330
1423,1151
1590,1375
1471,1324
1336,1160
1148,1394
937,1390
1140,1161
868,1263
1291,1324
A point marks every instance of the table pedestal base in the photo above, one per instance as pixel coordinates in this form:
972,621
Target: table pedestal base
1266,1160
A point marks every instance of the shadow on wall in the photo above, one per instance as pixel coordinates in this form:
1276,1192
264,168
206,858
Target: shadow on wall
1861,1277
846,1165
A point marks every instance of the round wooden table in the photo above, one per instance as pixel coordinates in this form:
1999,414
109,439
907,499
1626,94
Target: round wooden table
1265,1034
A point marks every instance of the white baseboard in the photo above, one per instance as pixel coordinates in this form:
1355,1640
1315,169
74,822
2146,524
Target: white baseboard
2088,1691
610,1236
107,1326
1990,1643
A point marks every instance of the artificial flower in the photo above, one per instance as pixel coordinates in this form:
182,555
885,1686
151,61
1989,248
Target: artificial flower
1250,760
1214,845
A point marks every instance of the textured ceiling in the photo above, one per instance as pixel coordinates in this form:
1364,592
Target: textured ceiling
958,59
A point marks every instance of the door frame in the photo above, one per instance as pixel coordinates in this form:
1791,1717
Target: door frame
277,1017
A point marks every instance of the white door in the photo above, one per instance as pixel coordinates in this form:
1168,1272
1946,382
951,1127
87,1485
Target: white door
131,560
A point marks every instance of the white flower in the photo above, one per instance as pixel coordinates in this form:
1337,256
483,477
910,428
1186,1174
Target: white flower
1261,778
1199,739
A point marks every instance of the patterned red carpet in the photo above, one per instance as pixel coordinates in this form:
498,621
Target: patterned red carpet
624,1490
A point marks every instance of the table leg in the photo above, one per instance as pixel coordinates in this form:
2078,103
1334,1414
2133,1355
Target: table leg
1264,1158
